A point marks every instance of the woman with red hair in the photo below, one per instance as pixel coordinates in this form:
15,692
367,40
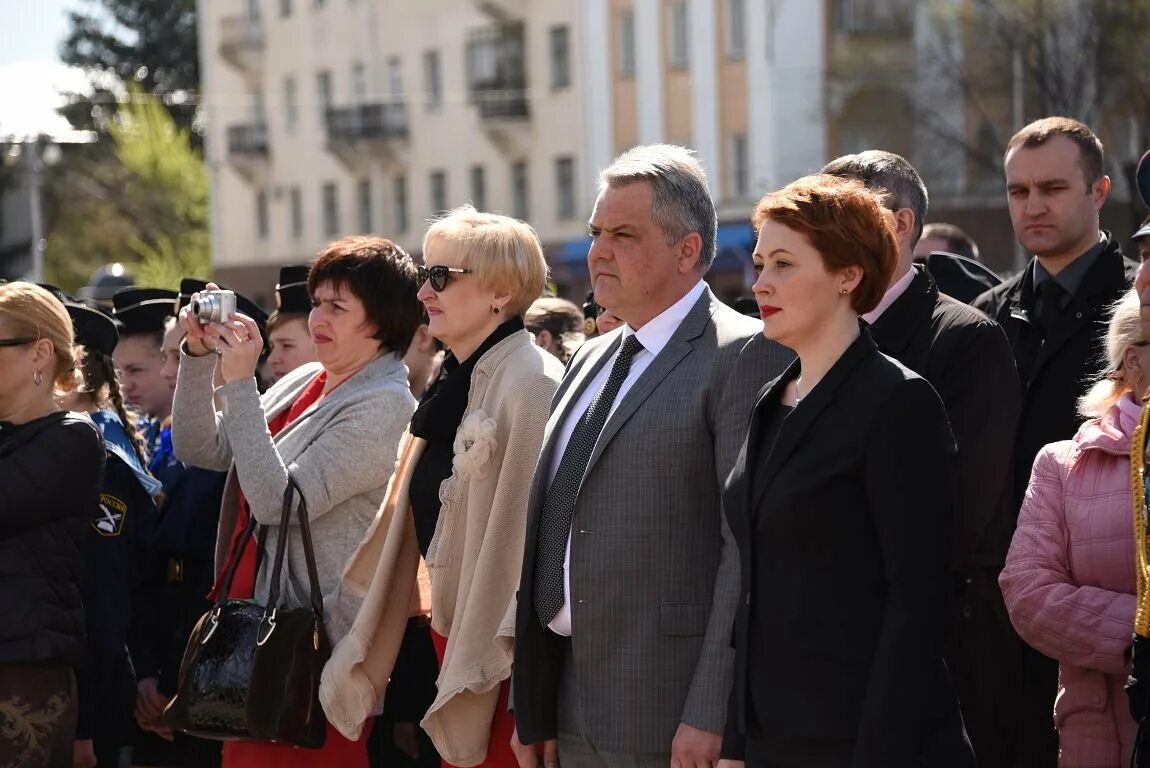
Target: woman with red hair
841,508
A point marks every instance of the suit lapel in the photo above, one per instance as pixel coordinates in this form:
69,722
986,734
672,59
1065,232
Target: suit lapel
795,427
896,327
581,379
677,348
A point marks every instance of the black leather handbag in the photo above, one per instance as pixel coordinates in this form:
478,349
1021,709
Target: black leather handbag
251,672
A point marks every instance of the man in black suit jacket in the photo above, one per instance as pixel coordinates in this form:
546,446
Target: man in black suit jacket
1054,313
966,358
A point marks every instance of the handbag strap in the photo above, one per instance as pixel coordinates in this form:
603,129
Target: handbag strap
225,589
292,491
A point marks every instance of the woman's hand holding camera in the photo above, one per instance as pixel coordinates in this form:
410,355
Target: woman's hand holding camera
237,341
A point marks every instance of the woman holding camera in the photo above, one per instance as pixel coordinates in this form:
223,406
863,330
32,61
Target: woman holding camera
51,462
335,425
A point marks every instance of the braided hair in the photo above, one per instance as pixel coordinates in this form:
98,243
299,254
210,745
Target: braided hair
102,385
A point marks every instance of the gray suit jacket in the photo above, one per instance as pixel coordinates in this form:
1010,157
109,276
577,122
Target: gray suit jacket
654,571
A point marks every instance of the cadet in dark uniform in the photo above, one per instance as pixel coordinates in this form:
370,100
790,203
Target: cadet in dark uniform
289,340
142,313
181,571
119,540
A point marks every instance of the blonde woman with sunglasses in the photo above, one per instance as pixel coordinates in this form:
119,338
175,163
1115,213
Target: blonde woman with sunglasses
459,497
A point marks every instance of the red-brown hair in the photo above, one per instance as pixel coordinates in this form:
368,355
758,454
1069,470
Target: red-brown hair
844,222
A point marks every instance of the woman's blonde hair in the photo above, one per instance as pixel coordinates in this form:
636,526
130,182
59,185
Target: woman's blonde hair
30,311
503,253
1125,329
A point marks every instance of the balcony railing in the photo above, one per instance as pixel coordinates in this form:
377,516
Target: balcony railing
249,140
501,100
367,122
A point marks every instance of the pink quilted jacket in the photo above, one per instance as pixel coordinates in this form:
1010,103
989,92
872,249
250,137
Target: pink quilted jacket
1070,583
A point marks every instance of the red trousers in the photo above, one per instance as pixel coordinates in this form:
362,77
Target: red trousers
336,752
499,754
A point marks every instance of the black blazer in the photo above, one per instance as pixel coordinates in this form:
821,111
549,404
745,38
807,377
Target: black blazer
844,534
966,358
1068,363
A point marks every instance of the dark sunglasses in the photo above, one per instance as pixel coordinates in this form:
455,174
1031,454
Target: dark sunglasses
438,275
17,342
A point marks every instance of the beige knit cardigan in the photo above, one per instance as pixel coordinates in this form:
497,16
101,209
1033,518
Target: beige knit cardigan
473,562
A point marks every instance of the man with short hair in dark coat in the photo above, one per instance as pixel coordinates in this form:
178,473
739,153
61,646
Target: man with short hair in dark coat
966,358
1054,313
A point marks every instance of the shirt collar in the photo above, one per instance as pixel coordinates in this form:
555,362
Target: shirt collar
658,331
1072,276
891,296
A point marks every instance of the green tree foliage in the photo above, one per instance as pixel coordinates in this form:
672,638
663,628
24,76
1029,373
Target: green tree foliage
146,206
152,43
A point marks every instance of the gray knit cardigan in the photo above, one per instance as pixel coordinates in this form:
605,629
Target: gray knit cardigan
341,452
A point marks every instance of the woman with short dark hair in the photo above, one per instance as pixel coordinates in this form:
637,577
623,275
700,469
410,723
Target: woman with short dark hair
840,505
51,462
335,425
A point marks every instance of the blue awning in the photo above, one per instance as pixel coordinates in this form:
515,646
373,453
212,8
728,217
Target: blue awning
574,251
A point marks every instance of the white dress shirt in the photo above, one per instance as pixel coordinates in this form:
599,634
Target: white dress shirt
891,296
653,336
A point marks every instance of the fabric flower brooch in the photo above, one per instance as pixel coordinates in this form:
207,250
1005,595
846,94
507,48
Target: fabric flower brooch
474,445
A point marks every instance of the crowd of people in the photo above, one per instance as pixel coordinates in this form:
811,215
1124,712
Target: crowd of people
886,521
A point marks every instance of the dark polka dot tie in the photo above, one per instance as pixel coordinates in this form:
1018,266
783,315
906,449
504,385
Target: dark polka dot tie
559,504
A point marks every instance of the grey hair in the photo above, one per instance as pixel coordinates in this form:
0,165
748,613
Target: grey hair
890,174
681,203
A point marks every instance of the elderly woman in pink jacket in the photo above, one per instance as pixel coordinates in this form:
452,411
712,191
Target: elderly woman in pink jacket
1069,580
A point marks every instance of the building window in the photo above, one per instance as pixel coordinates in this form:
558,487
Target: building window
677,53
479,187
394,80
400,203
437,181
740,186
626,44
330,210
285,8
320,3
296,212
254,10
323,93
736,29
364,195
873,16
432,82
519,191
565,188
359,83
263,225
291,104
560,57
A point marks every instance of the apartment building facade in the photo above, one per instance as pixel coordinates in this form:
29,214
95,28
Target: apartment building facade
334,117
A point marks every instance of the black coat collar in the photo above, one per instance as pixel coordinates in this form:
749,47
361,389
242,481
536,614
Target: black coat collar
910,312
804,414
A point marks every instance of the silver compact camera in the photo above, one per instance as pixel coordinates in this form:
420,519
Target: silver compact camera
214,306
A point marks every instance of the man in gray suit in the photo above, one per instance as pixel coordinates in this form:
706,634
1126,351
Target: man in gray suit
630,576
